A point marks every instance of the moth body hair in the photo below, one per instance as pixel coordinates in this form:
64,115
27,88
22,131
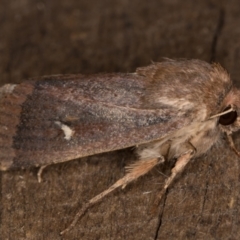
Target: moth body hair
201,135
181,103
7,88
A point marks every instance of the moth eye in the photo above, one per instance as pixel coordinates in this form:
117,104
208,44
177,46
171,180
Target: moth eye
228,118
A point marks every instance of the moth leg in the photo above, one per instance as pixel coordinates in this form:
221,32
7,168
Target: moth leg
134,171
232,145
40,171
180,164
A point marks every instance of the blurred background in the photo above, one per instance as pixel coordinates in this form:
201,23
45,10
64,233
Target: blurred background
91,36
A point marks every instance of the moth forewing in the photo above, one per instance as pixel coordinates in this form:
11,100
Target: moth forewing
57,119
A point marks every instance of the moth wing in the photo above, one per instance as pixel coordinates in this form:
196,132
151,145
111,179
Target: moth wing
60,118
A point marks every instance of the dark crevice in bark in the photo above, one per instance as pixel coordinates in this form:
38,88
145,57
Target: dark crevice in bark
160,216
217,34
204,199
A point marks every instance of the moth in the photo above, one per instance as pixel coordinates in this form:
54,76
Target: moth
174,110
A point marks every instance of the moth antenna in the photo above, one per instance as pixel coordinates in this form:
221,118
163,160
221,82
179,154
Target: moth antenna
232,145
180,164
134,171
223,113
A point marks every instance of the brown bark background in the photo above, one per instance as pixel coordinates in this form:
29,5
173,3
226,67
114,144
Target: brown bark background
90,36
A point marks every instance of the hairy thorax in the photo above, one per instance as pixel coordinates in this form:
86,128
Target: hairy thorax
199,136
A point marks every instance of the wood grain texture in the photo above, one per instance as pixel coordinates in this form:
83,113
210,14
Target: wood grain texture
56,37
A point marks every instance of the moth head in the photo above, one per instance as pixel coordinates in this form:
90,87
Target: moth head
229,120
229,117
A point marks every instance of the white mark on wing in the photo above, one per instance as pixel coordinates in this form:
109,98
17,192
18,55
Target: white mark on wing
68,132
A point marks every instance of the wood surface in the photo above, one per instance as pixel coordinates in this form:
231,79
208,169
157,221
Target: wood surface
91,36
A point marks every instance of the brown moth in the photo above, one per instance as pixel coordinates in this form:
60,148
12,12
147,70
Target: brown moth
172,110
